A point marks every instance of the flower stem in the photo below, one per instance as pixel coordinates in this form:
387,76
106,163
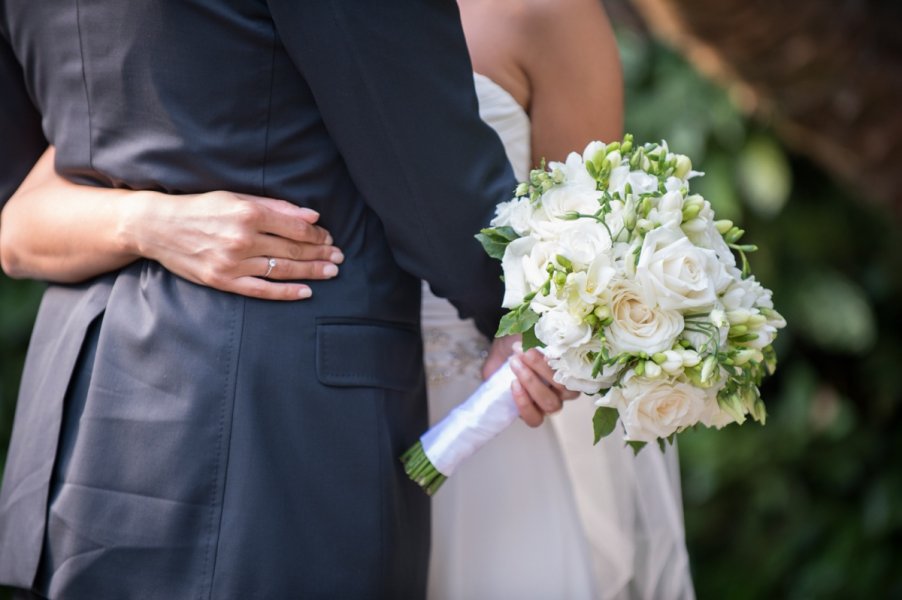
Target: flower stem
421,470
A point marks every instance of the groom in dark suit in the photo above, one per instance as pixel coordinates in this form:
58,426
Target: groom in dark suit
172,441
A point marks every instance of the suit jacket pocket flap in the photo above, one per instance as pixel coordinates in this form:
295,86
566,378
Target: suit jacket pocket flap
359,352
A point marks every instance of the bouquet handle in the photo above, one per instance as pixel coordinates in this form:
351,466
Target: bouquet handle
486,413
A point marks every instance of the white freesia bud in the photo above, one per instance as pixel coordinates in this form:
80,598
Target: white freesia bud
718,317
652,369
694,201
756,320
759,412
747,354
690,358
673,362
723,226
682,167
594,153
522,189
740,316
708,367
732,405
603,313
613,159
712,415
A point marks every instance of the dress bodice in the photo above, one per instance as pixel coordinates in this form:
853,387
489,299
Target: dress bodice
509,120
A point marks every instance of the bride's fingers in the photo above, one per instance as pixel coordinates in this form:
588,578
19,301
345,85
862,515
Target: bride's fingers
287,269
537,361
529,412
278,247
546,398
268,290
289,221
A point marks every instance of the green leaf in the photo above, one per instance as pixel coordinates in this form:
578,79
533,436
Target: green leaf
495,239
516,321
636,446
530,340
604,421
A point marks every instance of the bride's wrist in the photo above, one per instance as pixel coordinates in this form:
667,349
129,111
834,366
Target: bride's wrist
135,214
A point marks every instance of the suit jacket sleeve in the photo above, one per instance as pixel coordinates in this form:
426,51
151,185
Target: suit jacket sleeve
21,138
394,84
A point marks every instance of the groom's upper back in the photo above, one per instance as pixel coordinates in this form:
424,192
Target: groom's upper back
362,110
176,95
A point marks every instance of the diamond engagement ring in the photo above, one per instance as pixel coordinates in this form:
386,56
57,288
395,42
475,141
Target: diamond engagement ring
270,267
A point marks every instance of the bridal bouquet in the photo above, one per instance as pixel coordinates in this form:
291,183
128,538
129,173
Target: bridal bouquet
631,286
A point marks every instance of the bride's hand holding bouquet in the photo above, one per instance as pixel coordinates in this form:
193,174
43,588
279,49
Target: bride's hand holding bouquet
632,288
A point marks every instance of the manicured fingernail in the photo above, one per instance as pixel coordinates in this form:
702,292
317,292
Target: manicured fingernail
516,387
330,270
328,240
518,347
516,364
310,215
337,257
304,292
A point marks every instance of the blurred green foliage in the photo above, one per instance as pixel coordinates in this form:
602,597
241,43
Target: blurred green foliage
809,506
18,307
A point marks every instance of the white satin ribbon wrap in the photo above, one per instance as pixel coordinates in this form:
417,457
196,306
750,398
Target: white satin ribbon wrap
467,428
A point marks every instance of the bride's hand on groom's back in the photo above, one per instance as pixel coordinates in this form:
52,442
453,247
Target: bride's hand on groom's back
248,245
535,391
61,232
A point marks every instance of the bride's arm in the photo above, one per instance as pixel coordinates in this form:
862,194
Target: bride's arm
570,57
57,231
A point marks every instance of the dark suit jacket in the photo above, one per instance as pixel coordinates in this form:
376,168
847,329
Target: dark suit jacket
213,445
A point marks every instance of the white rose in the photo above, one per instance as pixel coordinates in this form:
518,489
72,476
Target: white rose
675,274
584,241
638,327
515,213
548,220
524,266
655,408
559,330
573,369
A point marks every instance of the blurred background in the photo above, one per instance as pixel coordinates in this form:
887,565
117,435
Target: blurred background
794,115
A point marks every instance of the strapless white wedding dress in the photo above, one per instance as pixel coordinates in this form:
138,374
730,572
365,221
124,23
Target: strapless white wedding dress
541,513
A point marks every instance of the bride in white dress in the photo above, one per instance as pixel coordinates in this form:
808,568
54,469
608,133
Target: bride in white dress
541,513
